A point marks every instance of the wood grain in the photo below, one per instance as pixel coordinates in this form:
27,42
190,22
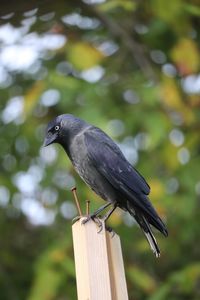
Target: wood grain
98,263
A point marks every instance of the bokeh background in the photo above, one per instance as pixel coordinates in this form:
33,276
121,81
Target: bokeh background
132,68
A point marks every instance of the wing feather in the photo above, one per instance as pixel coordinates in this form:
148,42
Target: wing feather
111,163
108,159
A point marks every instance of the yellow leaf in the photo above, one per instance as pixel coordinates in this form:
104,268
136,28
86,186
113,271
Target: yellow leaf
185,55
194,101
170,94
172,98
116,218
57,255
83,55
127,5
156,196
32,96
171,160
157,188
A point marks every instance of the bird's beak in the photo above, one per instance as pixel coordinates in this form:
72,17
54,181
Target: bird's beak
50,139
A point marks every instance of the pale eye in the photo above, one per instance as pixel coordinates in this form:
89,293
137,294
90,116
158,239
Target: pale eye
57,127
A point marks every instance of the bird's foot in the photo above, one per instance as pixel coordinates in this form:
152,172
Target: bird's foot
98,222
89,218
77,218
86,219
111,231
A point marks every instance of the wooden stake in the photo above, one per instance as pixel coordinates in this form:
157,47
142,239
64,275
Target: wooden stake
98,263
116,267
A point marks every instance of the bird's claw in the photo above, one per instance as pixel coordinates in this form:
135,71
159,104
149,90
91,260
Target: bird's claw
100,227
77,218
86,219
111,231
98,222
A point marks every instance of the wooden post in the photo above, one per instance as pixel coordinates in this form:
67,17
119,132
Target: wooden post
116,267
98,262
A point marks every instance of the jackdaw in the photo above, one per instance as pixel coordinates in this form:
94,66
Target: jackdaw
103,167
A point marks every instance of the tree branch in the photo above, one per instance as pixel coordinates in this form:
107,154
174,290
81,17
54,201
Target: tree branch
136,49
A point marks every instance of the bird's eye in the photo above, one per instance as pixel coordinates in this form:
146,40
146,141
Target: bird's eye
57,127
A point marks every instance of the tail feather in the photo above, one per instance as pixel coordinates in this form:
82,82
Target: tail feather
158,223
144,225
152,242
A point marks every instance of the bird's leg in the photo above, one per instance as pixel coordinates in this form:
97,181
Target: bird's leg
100,209
96,213
107,215
110,230
93,218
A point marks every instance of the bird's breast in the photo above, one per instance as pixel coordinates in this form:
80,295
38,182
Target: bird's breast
89,173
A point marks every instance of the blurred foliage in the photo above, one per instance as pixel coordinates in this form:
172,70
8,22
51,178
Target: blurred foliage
131,68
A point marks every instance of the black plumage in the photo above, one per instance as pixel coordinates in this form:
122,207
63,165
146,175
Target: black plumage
102,165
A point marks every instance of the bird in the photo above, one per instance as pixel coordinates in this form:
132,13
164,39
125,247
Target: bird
102,166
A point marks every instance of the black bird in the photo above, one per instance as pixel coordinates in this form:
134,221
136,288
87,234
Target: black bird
102,165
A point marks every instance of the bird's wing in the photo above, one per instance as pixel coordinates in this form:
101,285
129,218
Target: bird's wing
111,163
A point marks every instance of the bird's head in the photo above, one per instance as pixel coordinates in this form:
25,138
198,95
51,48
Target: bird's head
62,128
